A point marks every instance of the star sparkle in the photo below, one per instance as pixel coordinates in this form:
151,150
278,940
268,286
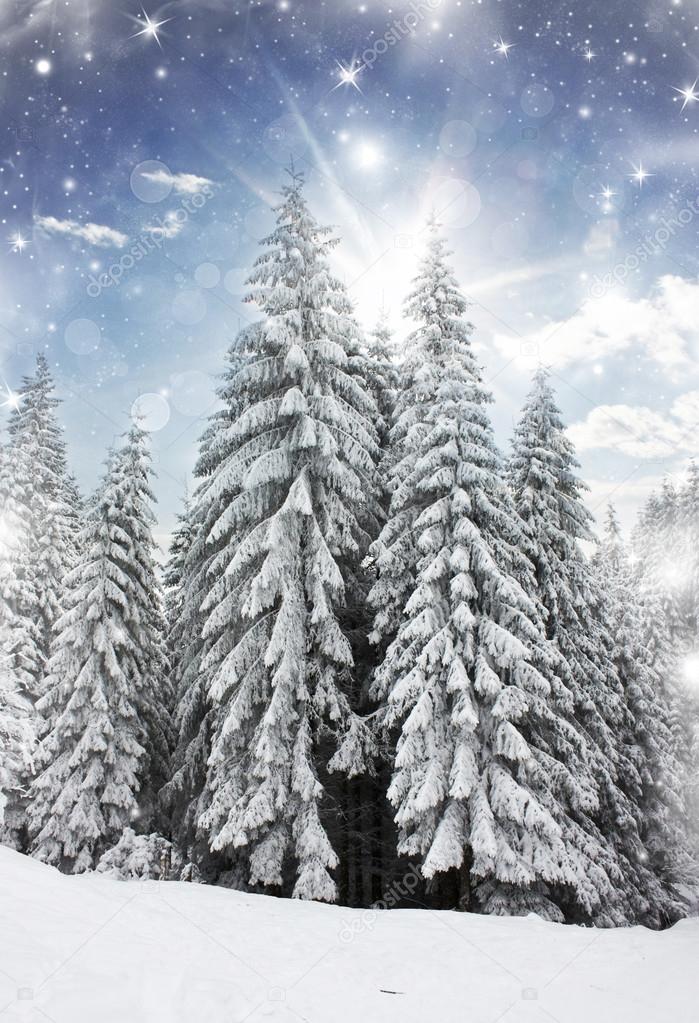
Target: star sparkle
640,174
8,398
502,47
589,55
689,94
149,27
18,242
348,75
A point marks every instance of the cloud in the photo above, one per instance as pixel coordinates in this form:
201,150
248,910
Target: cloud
627,493
182,184
664,326
638,431
94,234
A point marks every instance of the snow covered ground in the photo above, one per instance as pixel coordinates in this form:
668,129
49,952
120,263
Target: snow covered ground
79,949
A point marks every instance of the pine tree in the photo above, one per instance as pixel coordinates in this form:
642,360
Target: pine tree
463,675
366,839
654,784
384,376
197,574
39,492
174,575
302,463
19,590
184,624
21,661
18,724
665,557
156,695
684,695
687,543
17,741
39,509
548,497
662,556
104,684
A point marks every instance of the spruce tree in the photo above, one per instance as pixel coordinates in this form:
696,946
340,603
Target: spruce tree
104,697
665,555
302,463
384,375
687,544
663,558
654,784
464,673
597,769
21,658
42,495
195,574
156,696
18,723
182,794
17,741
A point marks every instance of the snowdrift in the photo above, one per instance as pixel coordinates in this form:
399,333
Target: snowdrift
81,949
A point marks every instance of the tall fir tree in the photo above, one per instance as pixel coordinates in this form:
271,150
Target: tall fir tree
104,690
663,558
384,376
664,548
196,573
183,628
18,719
548,497
687,542
655,782
37,485
302,463
39,506
464,676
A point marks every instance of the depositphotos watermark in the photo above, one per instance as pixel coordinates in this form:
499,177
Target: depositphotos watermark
406,885
651,245
151,238
399,29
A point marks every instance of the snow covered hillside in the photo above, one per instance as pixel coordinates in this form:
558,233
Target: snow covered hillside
86,948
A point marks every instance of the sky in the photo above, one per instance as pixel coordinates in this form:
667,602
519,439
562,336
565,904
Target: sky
143,148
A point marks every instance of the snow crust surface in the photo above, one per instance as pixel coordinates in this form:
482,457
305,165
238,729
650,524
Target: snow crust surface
85,949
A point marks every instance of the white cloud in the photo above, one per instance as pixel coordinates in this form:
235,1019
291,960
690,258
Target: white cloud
639,431
686,409
182,184
94,234
627,493
664,327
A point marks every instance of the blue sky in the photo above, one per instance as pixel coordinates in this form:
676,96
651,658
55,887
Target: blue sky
144,146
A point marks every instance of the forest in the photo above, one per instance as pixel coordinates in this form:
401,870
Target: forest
384,662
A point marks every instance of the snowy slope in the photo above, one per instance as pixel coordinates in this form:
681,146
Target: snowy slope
79,949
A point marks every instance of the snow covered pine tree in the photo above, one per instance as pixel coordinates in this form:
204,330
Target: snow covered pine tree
303,463
462,673
46,502
613,882
39,506
662,865
17,724
104,697
197,643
